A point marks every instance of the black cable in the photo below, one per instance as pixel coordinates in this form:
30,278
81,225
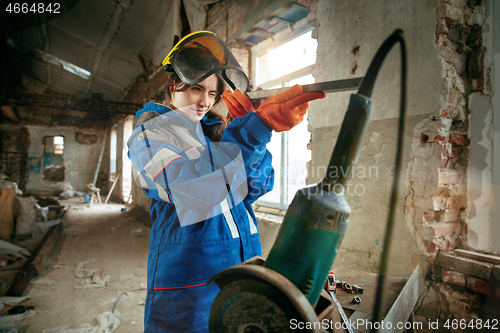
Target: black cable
366,89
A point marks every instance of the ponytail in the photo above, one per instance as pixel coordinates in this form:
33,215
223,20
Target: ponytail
214,131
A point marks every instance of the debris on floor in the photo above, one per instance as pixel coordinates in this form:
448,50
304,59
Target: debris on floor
9,321
107,322
96,281
114,280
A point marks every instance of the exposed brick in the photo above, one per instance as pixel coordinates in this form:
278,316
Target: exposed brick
453,242
451,261
442,203
442,27
448,215
428,216
479,285
447,151
448,176
436,246
422,203
452,277
439,138
461,308
459,139
456,189
496,272
439,230
441,42
458,302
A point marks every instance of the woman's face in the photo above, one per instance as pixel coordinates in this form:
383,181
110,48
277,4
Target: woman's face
197,99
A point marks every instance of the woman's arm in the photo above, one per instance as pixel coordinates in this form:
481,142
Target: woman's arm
193,179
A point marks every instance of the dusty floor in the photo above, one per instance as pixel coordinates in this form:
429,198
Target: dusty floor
110,241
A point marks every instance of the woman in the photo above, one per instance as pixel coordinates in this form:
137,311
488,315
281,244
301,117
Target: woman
202,176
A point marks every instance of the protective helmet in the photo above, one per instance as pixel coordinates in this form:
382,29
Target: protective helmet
201,54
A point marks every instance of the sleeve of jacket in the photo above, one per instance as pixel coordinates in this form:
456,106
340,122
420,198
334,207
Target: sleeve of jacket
192,179
253,133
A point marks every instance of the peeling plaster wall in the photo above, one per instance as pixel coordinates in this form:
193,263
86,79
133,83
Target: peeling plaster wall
349,33
447,195
80,160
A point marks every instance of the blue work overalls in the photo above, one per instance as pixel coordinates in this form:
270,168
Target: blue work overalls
201,194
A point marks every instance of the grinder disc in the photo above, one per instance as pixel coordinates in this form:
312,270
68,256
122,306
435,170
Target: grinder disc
252,306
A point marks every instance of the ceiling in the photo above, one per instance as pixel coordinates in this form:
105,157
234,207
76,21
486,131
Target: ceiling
100,42
100,47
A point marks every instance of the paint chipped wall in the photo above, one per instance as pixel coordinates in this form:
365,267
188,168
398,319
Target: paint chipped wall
349,33
80,159
446,197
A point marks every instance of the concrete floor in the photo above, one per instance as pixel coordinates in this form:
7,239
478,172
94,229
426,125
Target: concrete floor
112,242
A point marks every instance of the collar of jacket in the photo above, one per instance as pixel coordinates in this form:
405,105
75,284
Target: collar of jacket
172,117
178,118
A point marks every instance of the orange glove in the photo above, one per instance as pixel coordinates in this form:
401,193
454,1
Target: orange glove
237,103
287,109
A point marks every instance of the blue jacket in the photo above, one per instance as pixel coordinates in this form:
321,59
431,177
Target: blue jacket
201,194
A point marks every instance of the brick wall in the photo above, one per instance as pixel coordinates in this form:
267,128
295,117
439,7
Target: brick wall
436,207
470,287
13,148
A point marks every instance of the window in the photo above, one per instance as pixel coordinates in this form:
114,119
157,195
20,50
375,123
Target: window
53,165
112,154
284,62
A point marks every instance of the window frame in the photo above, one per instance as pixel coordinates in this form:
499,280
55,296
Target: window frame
298,29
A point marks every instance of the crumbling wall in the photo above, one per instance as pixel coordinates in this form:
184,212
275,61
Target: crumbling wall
14,141
80,159
449,88
349,33
436,206
445,200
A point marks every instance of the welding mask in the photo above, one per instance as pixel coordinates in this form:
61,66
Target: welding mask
201,54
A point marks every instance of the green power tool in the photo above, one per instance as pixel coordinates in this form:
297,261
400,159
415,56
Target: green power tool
271,296
317,218
258,296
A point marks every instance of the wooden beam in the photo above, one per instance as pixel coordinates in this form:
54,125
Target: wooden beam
70,103
35,263
145,68
113,186
494,259
9,113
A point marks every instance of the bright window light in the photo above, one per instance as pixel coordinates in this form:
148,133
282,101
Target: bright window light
285,66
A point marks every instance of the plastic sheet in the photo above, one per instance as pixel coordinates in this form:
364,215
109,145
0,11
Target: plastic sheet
81,272
6,184
68,191
107,322
41,213
6,321
9,248
99,282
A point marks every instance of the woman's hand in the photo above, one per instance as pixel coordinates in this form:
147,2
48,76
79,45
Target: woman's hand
237,103
285,110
